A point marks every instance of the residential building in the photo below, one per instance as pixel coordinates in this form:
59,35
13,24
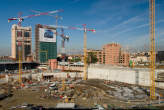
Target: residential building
111,53
97,53
142,58
124,58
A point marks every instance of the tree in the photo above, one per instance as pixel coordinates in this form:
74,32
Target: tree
76,59
91,58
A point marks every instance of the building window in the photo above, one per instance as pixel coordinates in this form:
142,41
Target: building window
19,33
27,50
26,34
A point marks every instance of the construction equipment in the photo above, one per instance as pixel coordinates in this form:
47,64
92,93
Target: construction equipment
85,49
152,47
85,52
85,29
20,39
19,43
85,43
64,37
20,19
57,17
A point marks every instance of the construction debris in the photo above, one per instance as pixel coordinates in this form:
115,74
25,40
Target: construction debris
5,91
2,93
127,92
91,93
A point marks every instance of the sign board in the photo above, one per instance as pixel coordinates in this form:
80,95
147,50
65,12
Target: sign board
47,35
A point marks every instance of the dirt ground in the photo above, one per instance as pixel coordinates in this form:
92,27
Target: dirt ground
33,97
89,96
86,94
26,96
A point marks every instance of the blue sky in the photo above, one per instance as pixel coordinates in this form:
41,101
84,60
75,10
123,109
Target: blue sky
122,21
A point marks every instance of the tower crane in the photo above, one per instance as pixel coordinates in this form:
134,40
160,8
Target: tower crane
20,19
85,46
20,39
152,47
57,17
85,29
64,37
63,52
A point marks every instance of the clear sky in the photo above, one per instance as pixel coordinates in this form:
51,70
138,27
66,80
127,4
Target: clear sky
122,21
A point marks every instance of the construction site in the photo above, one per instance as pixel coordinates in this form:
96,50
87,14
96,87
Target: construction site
49,90
47,80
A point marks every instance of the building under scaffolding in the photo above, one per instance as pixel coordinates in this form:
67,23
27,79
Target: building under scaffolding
45,43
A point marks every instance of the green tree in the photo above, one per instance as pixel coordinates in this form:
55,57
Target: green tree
76,59
91,58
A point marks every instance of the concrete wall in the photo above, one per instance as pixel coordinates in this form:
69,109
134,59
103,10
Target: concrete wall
132,76
127,75
58,75
38,76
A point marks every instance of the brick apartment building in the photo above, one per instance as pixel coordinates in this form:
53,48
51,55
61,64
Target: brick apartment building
97,53
111,54
124,59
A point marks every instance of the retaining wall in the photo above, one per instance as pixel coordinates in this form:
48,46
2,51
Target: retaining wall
140,76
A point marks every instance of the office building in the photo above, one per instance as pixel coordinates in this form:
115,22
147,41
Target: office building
45,43
25,33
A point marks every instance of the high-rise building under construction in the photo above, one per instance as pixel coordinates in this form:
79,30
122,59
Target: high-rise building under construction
25,34
45,43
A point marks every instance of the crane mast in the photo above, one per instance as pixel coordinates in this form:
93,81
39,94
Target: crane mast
85,52
20,39
152,48
84,29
